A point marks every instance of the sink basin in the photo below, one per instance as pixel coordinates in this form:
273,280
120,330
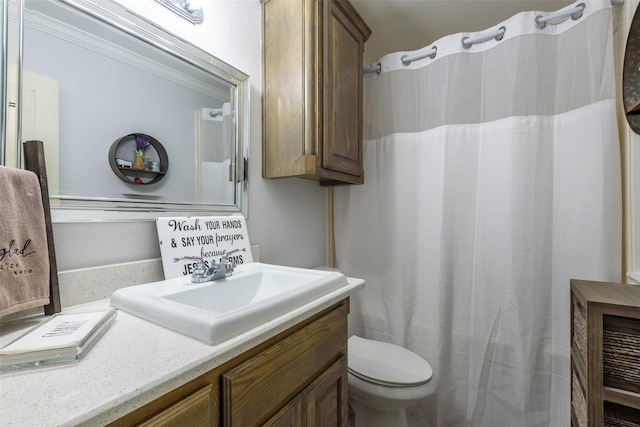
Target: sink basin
216,311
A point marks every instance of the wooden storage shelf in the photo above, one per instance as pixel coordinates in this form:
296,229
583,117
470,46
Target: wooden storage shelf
621,397
605,354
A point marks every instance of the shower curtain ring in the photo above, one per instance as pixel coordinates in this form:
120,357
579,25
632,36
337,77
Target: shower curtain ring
497,35
579,13
408,59
558,17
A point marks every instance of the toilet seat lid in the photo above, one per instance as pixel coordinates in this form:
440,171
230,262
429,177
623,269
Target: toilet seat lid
386,364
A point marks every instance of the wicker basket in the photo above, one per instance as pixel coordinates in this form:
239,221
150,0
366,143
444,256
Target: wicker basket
620,416
578,401
621,358
580,332
615,420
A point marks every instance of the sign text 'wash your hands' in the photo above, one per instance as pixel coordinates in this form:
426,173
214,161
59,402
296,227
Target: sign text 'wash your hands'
210,237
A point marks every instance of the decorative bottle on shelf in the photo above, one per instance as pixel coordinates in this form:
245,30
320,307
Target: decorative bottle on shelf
138,154
138,160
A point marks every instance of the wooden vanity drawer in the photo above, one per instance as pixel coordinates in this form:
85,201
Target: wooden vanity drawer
253,390
194,410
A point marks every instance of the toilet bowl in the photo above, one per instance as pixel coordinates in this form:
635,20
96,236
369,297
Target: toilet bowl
383,380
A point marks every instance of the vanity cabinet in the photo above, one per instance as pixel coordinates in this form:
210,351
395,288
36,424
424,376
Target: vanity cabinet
312,90
605,354
297,378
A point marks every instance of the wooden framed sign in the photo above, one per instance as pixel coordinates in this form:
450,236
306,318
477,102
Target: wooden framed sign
208,236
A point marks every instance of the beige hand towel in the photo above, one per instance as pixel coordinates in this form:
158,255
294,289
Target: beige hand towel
24,257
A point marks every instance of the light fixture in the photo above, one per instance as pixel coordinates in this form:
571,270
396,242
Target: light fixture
191,10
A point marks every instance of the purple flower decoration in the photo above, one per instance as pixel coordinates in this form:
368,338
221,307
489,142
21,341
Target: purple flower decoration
141,145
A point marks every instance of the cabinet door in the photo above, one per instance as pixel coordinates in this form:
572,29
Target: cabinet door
325,400
342,56
289,416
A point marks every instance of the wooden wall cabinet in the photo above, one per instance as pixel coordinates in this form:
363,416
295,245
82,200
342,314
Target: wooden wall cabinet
605,354
298,378
312,90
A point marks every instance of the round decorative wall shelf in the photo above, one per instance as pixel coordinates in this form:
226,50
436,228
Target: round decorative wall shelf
121,160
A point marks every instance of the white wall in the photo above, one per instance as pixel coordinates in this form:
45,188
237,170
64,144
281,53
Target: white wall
286,217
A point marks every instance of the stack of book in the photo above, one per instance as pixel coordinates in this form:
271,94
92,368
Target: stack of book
62,338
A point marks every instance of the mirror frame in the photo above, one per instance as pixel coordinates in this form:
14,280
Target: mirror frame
97,209
4,31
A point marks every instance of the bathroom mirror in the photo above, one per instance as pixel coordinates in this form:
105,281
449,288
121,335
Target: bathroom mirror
93,72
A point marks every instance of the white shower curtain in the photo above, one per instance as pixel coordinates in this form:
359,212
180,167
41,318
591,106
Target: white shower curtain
492,177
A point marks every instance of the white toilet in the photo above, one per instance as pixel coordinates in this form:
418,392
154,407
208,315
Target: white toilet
383,380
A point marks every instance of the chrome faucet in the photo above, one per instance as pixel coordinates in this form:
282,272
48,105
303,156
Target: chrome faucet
219,270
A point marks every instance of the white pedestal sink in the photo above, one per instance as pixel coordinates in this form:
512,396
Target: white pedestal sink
219,310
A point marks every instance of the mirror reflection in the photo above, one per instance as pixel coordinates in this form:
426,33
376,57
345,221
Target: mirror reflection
95,76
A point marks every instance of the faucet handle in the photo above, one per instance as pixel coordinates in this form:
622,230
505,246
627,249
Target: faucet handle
217,270
200,267
230,263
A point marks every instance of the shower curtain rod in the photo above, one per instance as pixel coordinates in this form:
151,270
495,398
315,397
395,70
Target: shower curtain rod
467,42
375,68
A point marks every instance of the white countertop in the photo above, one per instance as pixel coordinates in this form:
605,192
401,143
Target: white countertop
133,363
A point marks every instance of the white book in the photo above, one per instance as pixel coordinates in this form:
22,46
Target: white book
62,338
